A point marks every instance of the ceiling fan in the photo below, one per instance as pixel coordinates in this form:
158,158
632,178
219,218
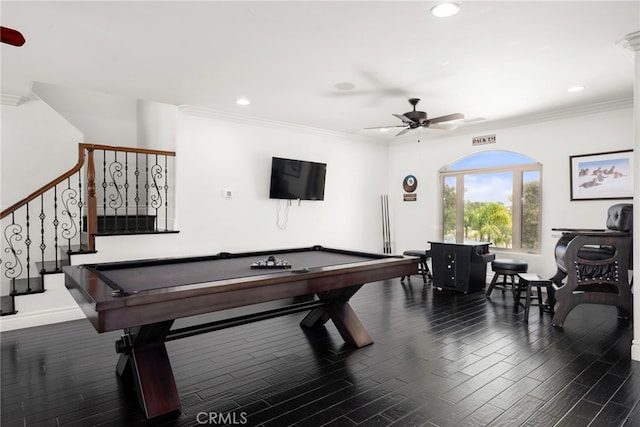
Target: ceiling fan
417,119
11,36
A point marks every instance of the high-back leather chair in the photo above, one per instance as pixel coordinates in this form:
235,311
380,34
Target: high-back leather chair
596,265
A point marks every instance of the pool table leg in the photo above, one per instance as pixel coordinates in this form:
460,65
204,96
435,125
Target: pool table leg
146,363
338,309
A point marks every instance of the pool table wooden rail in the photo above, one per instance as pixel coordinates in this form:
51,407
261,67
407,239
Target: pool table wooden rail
107,312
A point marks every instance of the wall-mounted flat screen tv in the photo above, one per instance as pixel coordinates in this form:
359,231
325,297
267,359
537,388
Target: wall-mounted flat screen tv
297,179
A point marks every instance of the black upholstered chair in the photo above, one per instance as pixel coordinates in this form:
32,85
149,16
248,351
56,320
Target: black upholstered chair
595,264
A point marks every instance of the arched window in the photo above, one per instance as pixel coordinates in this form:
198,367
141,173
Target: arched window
493,196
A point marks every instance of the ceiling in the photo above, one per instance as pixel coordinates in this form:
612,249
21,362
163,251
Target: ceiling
295,60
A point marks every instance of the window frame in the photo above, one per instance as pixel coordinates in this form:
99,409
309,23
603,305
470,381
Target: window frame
518,171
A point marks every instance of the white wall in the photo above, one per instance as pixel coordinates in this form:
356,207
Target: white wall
216,154
156,125
37,145
550,143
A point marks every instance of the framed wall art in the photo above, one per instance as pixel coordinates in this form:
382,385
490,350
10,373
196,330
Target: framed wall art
602,176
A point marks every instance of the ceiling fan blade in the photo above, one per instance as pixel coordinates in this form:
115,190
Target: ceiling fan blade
403,131
387,127
10,36
403,118
443,126
447,118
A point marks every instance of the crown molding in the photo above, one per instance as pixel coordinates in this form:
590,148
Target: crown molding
273,124
548,115
630,42
12,100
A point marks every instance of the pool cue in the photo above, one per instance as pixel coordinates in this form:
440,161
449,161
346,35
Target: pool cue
388,224
382,218
386,232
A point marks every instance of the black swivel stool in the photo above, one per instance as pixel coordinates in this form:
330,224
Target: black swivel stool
423,268
526,283
506,268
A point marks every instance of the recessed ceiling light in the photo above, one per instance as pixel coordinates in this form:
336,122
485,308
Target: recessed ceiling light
384,129
575,89
243,101
444,10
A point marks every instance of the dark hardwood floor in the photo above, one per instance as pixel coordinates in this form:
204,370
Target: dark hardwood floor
438,360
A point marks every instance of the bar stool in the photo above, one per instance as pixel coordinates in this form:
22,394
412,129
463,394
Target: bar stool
423,268
526,283
506,268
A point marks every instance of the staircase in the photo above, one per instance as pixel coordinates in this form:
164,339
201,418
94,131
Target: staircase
110,191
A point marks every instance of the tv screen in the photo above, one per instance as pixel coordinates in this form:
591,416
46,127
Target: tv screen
297,179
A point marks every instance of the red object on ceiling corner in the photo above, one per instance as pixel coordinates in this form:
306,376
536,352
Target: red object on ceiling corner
12,37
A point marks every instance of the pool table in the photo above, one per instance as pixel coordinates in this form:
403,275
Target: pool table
145,297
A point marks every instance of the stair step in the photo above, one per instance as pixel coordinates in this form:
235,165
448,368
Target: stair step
7,305
32,285
73,248
55,266
52,267
76,249
133,233
123,223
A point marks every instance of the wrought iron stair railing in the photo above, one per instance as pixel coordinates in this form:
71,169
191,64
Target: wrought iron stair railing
111,190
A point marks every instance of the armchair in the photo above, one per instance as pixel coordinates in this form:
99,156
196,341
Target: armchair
596,265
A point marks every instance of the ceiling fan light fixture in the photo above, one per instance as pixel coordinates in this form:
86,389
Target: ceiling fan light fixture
445,10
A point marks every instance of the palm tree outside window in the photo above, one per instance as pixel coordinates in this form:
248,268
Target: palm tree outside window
493,196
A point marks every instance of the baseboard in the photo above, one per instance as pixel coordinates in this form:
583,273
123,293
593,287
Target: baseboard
39,318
